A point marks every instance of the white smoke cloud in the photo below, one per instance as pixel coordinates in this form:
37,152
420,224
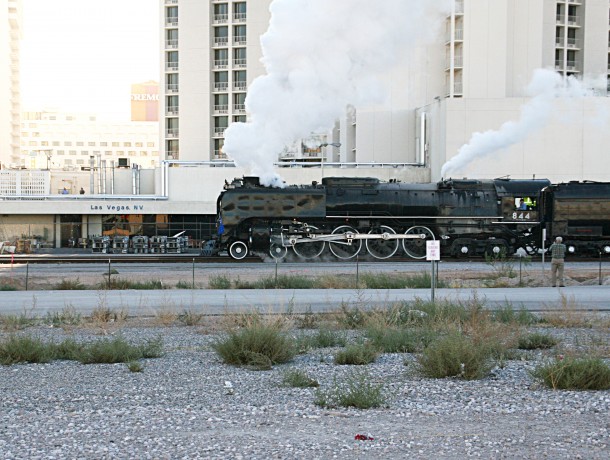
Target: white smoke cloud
545,88
320,56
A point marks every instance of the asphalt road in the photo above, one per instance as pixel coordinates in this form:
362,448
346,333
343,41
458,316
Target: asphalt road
147,303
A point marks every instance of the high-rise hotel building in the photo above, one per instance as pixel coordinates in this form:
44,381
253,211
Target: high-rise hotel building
473,78
10,34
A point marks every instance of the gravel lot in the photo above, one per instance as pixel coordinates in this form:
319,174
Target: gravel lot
178,407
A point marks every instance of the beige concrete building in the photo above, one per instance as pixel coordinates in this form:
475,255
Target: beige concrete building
10,107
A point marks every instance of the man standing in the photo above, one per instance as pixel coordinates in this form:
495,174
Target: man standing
558,253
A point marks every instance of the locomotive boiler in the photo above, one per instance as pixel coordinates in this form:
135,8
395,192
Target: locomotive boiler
350,216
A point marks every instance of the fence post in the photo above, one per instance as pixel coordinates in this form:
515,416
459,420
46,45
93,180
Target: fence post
600,268
193,273
109,273
27,274
276,262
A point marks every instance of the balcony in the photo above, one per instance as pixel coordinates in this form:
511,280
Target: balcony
239,108
173,155
573,20
239,17
171,44
171,21
559,64
221,41
573,43
171,2
172,88
239,63
458,62
221,86
173,65
172,133
172,110
219,155
560,19
571,66
221,63
559,42
221,18
221,108
459,6
219,132
240,85
239,40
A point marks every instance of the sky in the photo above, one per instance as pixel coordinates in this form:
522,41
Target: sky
83,55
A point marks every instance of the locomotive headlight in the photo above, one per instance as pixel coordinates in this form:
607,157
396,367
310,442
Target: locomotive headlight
607,249
571,249
464,249
496,250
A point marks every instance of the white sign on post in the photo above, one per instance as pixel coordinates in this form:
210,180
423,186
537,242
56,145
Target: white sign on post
433,250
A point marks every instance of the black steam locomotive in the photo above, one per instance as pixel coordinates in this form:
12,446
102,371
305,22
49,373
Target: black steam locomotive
347,216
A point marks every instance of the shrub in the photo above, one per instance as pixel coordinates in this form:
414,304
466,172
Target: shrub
184,285
118,350
7,287
190,318
574,374
358,391
219,282
298,379
508,315
399,340
135,366
325,338
70,285
24,349
17,322
536,340
68,316
257,345
456,356
352,317
357,354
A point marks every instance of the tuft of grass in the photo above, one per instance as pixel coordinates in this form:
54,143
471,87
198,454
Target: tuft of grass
184,285
219,282
307,320
70,285
357,391
135,366
259,345
351,317
324,338
118,350
17,322
165,316
399,340
566,314
536,341
7,287
24,349
456,356
190,317
68,316
357,354
508,315
123,284
574,374
298,379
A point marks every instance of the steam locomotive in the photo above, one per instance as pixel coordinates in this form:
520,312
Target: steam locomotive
350,216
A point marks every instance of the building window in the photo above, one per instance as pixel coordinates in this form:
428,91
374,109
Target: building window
172,104
239,80
172,82
239,119
221,58
239,35
218,145
150,144
68,143
221,12
91,144
221,36
126,144
172,59
103,144
80,144
55,143
239,102
221,81
239,11
221,103
239,57
115,144
139,144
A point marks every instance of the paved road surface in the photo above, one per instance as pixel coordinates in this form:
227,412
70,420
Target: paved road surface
219,301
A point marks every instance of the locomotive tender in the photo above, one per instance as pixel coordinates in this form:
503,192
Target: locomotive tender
347,216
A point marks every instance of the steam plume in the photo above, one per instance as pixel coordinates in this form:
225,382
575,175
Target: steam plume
546,86
320,56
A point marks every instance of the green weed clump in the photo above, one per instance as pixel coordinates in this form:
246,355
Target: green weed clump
70,285
298,379
68,316
323,338
7,287
257,345
26,349
123,284
219,282
536,341
135,366
357,391
574,374
508,315
456,355
357,354
17,322
399,340
190,318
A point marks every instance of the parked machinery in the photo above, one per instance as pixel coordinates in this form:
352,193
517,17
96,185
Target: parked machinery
100,244
580,213
350,216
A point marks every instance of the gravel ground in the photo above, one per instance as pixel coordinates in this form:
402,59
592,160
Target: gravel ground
178,407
